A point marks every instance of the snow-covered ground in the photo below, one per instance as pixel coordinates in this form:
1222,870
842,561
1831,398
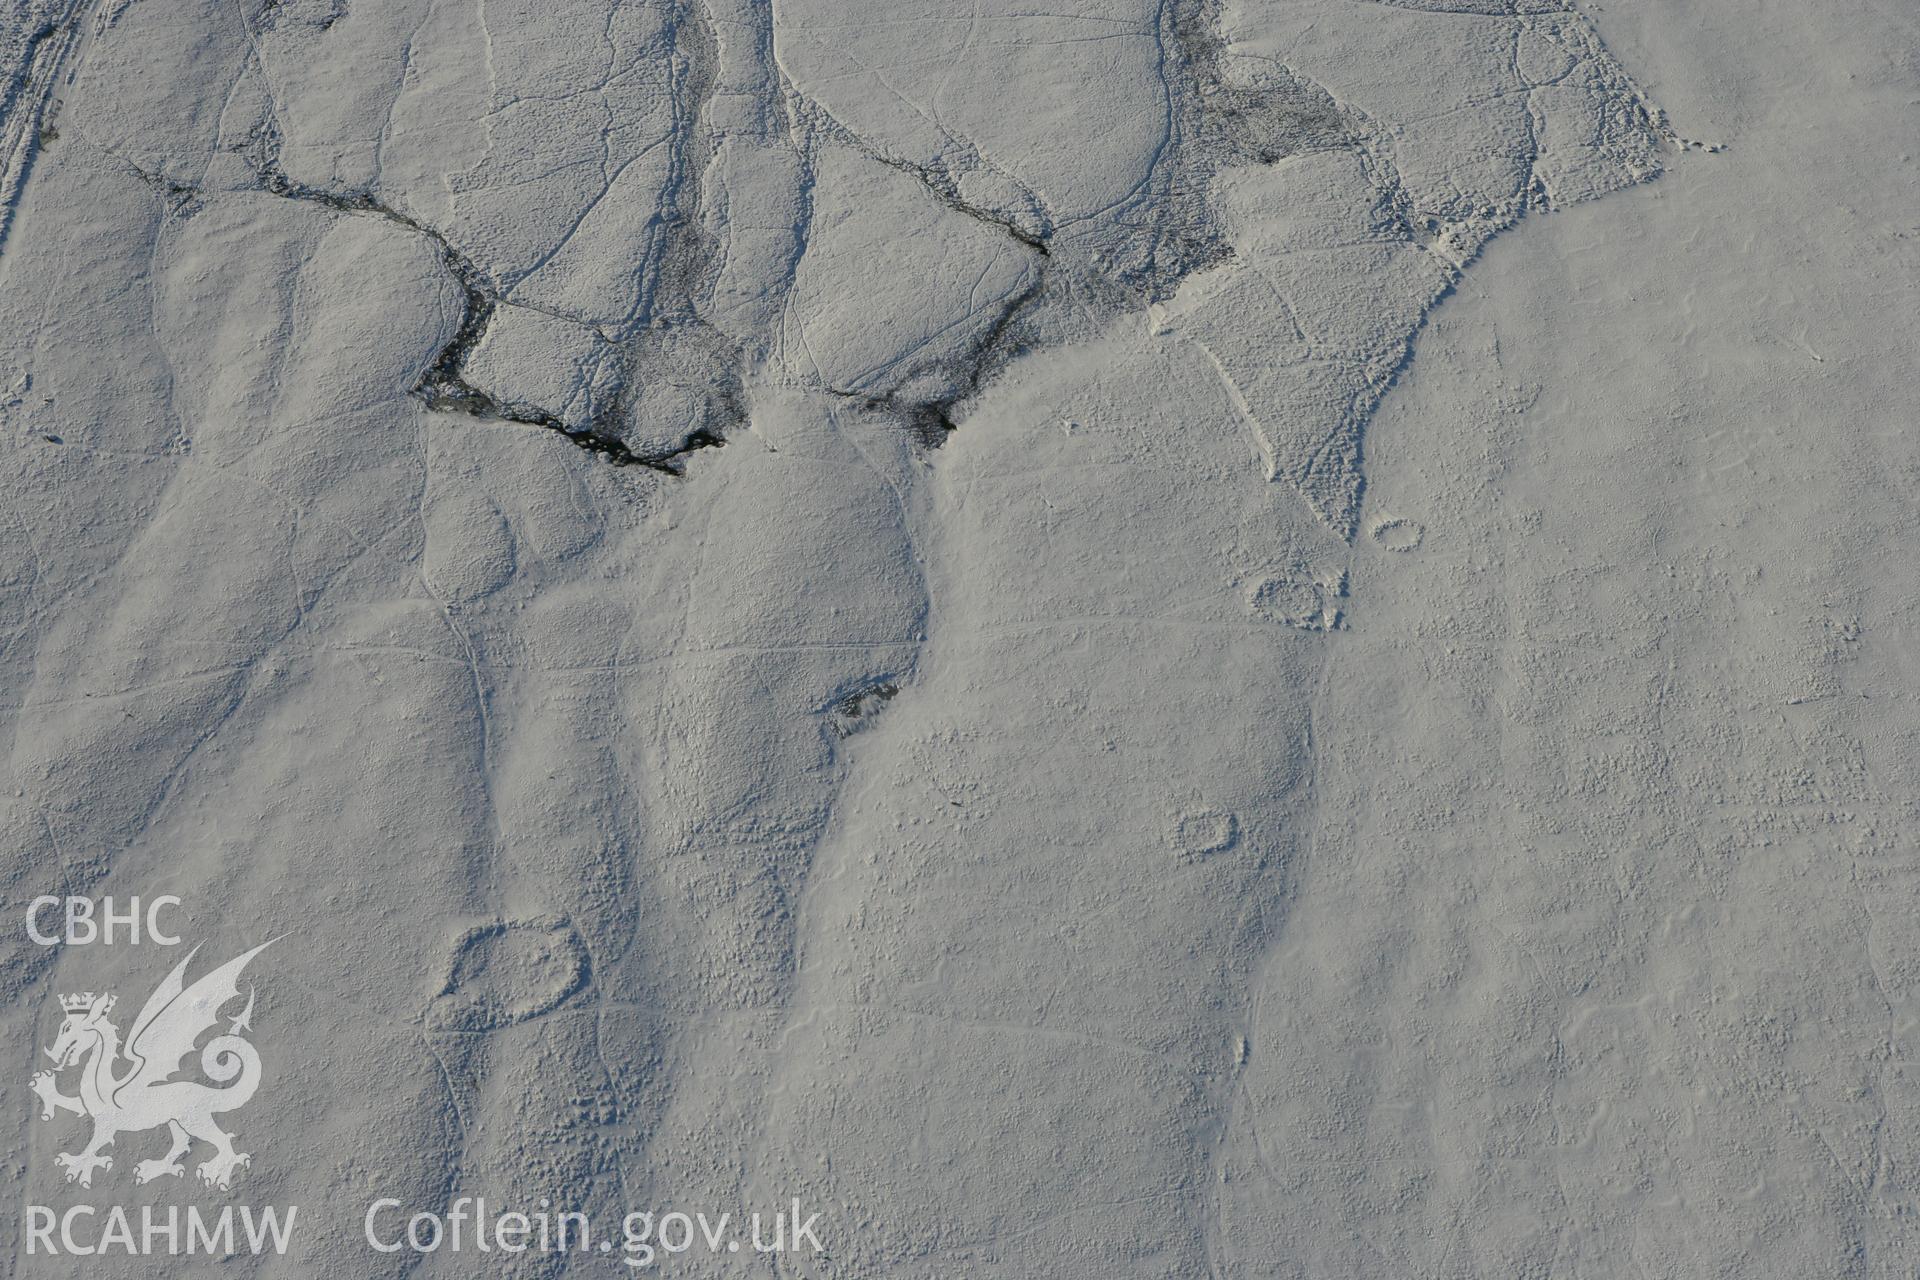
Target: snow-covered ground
1176,639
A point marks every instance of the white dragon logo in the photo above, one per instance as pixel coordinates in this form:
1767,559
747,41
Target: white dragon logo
143,1095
